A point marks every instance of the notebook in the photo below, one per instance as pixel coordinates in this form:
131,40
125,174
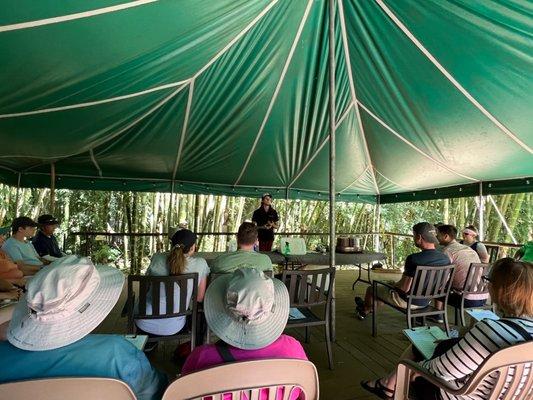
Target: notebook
424,338
480,314
294,313
138,341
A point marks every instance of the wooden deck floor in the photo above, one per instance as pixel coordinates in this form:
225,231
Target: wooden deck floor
357,355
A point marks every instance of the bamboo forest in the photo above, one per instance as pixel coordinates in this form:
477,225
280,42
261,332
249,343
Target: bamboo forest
136,224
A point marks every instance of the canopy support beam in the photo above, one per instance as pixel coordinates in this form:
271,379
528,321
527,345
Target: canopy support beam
332,225
377,224
481,209
52,188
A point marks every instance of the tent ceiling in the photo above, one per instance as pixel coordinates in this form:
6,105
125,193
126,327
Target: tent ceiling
231,97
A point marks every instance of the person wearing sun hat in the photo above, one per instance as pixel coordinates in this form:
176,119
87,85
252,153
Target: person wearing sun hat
49,333
248,312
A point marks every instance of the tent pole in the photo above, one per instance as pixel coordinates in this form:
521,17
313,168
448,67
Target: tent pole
377,224
169,215
332,120
286,217
17,196
481,213
52,187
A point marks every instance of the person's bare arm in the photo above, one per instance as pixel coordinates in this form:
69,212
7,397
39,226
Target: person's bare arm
28,269
404,284
201,289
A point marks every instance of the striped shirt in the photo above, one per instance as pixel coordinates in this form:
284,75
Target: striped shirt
485,338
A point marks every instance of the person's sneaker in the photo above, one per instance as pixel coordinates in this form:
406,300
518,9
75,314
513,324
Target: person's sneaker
359,303
360,314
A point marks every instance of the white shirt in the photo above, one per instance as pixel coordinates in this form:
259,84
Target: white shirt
158,267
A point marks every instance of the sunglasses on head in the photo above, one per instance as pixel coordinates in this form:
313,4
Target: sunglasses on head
486,278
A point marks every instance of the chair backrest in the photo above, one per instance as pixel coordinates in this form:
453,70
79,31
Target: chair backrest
431,282
474,282
308,288
215,275
512,369
149,291
493,251
248,377
67,388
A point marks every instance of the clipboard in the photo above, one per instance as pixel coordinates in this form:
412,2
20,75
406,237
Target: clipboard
424,338
138,341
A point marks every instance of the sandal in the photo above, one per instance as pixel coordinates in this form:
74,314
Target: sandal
378,389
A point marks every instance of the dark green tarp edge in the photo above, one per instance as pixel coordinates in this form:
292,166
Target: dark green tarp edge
149,185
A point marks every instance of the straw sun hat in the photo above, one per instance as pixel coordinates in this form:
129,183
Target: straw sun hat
64,302
247,309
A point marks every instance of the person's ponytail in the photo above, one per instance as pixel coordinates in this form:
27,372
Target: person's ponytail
176,260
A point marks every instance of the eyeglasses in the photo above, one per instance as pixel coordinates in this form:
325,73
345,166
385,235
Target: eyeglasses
486,278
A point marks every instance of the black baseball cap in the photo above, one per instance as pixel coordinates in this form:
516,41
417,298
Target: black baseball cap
47,219
184,238
427,231
22,222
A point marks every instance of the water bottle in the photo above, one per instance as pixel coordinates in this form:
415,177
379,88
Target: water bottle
287,250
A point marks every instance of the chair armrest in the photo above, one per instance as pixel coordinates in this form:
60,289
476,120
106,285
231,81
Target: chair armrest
404,370
384,284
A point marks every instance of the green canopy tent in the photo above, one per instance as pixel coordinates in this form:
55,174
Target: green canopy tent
432,97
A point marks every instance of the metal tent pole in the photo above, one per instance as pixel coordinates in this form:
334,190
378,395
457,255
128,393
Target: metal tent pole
332,121
377,224
169,215
52,187
481,213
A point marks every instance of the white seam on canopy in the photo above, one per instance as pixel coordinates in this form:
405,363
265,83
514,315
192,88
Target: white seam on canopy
184,129
356,180
96,102
352,90
111,137
93,158
413,146
70,17
449,76
394,183
344,115
315,154
278,88
162,87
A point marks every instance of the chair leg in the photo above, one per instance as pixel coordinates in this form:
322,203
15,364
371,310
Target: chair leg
456,315
374,311
328,345
307,334
463,319
446,323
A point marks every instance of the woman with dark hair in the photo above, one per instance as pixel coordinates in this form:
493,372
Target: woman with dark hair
454,360
178,261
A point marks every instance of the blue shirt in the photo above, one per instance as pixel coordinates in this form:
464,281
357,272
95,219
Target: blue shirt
21,251
105,356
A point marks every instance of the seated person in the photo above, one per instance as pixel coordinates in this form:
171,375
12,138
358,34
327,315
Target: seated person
248,311
48,335
180,260
245,256
470,239
19,250
44,242
425,238
454,360
9,271
461,256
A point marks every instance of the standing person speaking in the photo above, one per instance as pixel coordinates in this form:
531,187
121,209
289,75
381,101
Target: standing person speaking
266,219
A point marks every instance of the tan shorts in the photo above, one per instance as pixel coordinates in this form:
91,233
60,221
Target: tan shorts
392,296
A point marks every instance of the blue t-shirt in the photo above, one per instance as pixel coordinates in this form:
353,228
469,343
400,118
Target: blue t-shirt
431,258
105,356
21,251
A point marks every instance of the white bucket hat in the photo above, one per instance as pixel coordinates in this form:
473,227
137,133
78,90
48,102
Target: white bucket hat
64,302
247,309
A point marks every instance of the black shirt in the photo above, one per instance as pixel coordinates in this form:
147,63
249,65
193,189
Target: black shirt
262,217
430,257
45,245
